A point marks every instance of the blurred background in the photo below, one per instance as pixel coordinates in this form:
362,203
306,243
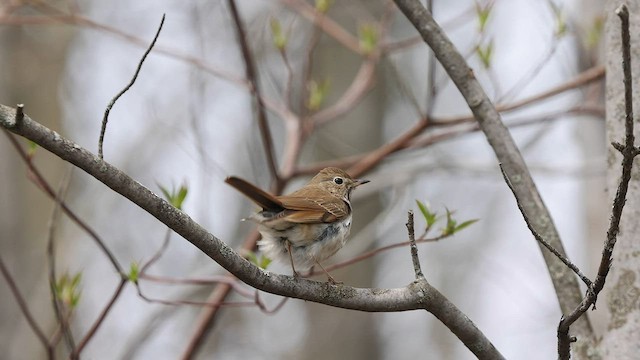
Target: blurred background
188,120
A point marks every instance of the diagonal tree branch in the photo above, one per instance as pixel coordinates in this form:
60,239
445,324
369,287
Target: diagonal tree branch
489,120
417,295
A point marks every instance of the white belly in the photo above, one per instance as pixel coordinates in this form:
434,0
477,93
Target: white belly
309,242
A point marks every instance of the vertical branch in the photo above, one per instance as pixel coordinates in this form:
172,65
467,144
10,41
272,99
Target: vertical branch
105,118
414,248
58,309
251,73
629,152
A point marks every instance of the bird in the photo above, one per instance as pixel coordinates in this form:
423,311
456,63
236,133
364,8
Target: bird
307,226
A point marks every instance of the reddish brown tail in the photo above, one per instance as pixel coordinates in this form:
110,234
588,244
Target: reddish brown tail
260,197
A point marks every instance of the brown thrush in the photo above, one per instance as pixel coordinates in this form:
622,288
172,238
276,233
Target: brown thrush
308,225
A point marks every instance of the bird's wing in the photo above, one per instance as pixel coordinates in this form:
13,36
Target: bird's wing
313,207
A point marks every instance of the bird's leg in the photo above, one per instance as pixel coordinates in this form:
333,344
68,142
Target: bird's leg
329,277
293,267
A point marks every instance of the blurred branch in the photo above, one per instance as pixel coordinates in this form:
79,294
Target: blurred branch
63,319
371,159
252,77
25,309
52,15
37,177
327,25
96,324
417,295
360,86
566,286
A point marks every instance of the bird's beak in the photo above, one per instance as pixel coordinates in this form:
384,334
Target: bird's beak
358,182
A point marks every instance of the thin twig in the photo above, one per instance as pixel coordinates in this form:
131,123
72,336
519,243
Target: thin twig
377,251
103,314
414,248
63,320
105,119
212,280
328,26
252,77
25,309
566,285
158,254
541,240
629,152
41,182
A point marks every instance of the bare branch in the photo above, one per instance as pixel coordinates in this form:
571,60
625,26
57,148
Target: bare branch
63,320
25,309
103,314
40,181
414,248
505,149
546,244
417,295
629,152
105,119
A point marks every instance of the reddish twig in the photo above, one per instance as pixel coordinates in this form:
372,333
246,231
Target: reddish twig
99,321
25,309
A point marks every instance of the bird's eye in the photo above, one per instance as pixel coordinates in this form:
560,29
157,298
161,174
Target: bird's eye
338,180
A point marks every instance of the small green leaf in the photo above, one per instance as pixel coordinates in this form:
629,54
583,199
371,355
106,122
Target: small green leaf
430,217
31,149
483,12
322,6
261,262
279,38
595,33
67,289
175,198
465,224
561,23
181,196
134,272
368,36
485,54
264,262
317,94
449,228
252,257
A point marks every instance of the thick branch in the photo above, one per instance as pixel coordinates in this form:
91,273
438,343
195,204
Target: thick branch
417,295
533,208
